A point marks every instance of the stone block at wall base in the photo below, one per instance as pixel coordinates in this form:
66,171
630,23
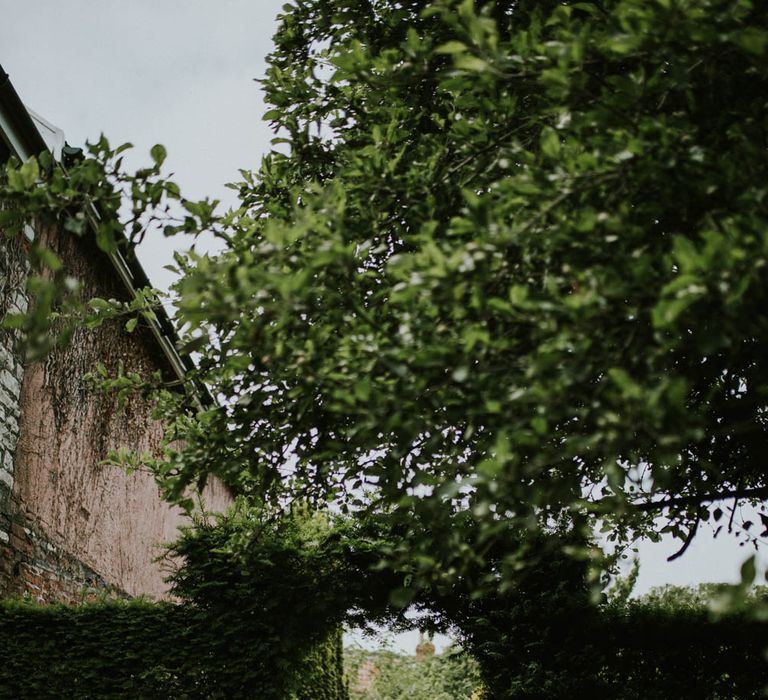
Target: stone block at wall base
32,567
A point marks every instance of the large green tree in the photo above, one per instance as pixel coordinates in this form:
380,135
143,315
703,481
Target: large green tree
506,264
507,260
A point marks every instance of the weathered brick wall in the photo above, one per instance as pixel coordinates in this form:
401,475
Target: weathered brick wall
13,273
74,527
32,566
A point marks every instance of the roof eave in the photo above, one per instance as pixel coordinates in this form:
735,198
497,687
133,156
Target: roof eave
16,124
19,131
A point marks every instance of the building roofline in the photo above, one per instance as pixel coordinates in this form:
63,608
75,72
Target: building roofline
16,124
18,129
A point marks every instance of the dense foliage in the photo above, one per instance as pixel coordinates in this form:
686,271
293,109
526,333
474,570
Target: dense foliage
667,644
261,613
541,646
541,638
511,263
501,281
158,650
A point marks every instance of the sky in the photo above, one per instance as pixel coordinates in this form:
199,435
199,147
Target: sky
181,73
176,72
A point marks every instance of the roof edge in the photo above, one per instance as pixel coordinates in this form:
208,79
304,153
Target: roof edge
18,129
24,138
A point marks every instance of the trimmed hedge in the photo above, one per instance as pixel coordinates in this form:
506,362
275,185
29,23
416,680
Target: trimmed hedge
147,650
644,650
545,638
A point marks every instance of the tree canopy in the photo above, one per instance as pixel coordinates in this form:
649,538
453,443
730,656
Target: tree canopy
505,266
506,263
500,282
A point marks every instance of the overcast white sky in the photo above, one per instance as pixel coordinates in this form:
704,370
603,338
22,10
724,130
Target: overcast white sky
181,73
176,72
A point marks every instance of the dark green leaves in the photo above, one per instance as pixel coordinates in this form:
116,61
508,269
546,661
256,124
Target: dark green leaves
521,261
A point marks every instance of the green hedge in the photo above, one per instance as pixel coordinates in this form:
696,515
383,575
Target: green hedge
545,638
643,650
147,650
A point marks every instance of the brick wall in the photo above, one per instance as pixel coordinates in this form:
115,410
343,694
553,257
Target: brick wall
30,563
69,526
13,273
32,566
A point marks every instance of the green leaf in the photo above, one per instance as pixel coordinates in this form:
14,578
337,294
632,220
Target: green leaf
470,63
402,597
158,154
451,47
29,172
748,572
362,389
550,142
100,304
751,39
623,43
24,177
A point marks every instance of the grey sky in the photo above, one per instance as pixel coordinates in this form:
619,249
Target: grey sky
176,72
180,73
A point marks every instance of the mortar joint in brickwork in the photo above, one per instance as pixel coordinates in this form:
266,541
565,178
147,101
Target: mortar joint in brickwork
7,399
12,425
6,359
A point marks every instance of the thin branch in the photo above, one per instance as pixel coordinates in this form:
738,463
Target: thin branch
733,513
689,538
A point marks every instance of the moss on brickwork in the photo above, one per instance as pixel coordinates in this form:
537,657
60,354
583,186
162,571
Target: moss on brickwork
139,649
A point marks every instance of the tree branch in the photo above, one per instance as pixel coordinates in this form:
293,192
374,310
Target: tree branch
650,506
689,538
